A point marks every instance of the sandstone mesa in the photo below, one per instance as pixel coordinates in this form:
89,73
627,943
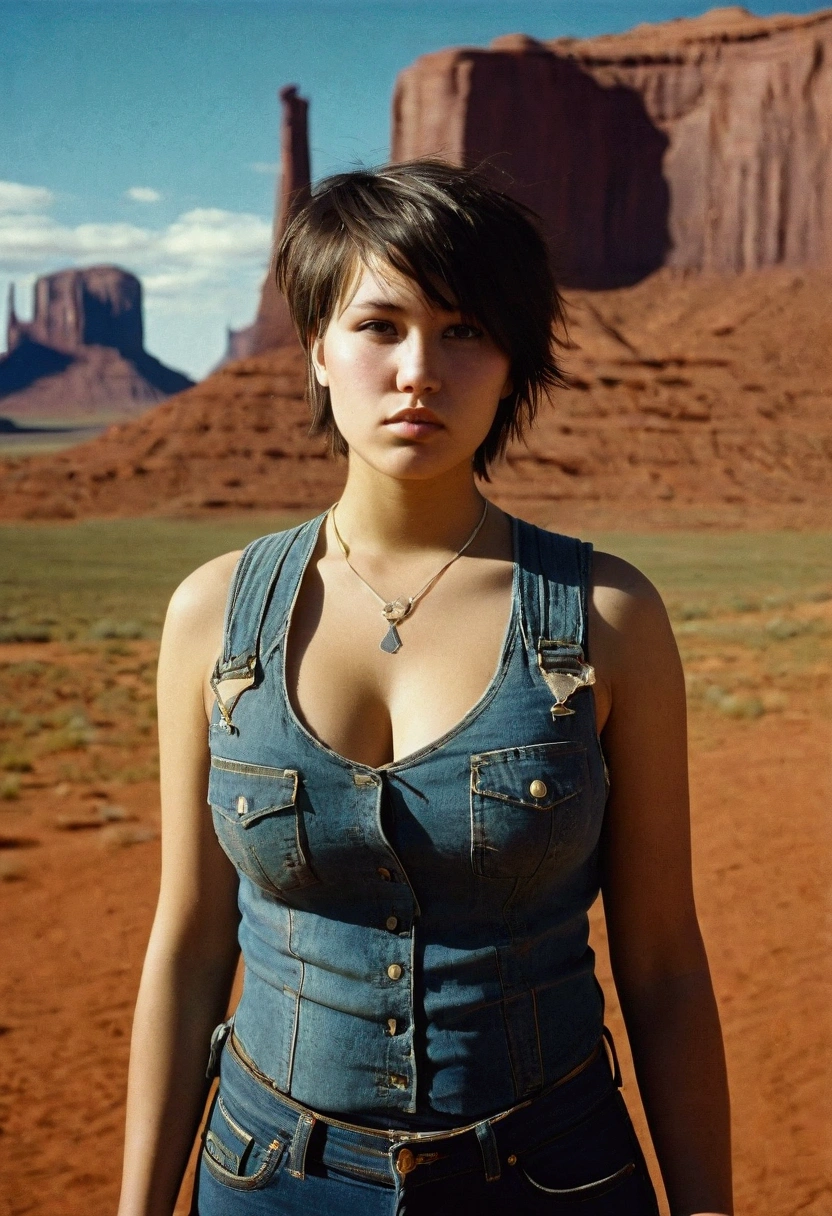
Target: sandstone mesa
682,172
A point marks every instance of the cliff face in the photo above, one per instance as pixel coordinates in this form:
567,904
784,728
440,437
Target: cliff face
82,353
701,144
98,306
695,400
272,327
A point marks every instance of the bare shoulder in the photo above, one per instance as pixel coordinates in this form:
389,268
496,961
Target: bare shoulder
196,612
203,594
620,590
628,616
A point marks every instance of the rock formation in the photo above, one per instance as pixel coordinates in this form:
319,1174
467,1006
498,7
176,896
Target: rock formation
272,326
699,144
694,401
82,353
240,439
99,306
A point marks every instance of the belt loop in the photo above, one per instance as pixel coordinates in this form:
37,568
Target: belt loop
488,1148
616,1070
300,1142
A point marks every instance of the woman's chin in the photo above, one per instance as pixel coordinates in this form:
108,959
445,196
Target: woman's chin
413,462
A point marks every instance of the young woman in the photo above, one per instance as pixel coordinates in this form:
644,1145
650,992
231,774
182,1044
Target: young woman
397,713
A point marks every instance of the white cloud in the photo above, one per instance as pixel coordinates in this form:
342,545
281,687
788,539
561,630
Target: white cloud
206,235
14,196
143,194
264,166
200,273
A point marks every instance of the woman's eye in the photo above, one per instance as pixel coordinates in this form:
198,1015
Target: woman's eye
464,331
378,327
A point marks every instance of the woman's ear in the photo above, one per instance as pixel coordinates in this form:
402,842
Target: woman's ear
316,358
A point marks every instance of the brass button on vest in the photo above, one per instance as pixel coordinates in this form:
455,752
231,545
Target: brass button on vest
392,923
384,874
394,971
538,789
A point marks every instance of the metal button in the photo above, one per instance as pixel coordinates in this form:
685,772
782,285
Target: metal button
384,874
392,1026
398,1083
512,1160
405,1161
538,789
242,804
394,971
392,923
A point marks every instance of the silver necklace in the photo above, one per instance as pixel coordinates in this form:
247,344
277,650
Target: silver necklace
395,611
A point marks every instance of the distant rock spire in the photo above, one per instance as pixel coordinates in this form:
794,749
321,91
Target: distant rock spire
14,336
272,327
294,188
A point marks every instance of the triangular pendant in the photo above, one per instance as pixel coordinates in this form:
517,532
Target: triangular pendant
391,642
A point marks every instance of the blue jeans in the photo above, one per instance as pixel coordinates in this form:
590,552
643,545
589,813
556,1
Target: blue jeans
572,1151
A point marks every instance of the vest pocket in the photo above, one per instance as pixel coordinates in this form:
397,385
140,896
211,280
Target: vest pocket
526,805
258,823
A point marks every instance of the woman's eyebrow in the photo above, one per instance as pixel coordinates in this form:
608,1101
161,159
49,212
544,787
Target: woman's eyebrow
388,304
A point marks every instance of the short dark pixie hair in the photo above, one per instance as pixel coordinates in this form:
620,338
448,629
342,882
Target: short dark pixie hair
467,245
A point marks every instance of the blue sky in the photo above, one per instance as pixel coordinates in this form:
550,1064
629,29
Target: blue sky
144,132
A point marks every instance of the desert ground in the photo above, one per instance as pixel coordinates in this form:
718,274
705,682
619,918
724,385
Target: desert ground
81,606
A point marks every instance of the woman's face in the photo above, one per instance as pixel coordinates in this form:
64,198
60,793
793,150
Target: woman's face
414,388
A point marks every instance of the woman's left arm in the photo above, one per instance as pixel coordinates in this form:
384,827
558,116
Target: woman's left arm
656,949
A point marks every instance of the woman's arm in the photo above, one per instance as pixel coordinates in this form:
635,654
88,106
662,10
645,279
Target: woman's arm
658,958
192,954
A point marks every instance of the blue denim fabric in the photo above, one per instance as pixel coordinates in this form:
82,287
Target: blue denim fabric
572,1151
415,936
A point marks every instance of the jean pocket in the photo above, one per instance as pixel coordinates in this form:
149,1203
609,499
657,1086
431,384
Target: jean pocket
528,807
235,1157
260,824
583,1191
595,1166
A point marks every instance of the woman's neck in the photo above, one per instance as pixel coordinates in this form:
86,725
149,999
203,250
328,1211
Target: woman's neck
379,514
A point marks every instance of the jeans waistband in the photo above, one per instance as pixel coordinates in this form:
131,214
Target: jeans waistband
394,1154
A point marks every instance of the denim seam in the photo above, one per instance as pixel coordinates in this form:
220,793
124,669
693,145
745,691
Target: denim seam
233,1124
291,1065
588,1190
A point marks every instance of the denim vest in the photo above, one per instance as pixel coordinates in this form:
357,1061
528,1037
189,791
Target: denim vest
415,935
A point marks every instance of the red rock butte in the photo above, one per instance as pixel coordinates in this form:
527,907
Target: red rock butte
664,162
83,352
697,144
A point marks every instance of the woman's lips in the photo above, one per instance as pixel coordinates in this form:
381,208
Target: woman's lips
414,424
411,429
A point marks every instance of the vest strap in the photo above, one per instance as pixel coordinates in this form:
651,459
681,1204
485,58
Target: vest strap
249,598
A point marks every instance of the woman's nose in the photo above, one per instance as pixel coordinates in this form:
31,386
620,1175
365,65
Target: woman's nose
417,371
